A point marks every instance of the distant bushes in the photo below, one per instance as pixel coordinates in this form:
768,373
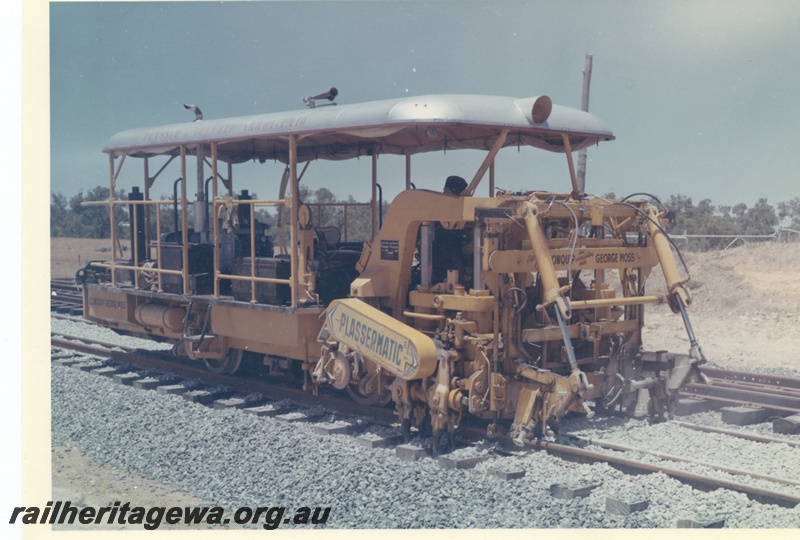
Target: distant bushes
761,219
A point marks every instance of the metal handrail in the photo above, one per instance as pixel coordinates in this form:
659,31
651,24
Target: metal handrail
114,266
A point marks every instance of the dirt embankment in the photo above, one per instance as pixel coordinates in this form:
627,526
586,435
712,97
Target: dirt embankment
745,310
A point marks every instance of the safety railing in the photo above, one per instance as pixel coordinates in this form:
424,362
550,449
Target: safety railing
157,270
231,206
139,258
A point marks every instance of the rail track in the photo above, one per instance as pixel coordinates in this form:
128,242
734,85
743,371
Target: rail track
65,297
776,395
117,360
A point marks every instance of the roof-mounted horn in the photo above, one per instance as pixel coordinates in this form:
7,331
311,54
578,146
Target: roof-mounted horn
330,95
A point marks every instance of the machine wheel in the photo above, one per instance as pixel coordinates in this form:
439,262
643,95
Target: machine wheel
367,392
225,366
340,371
179,350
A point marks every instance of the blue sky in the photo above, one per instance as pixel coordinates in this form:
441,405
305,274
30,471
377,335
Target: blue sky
701,95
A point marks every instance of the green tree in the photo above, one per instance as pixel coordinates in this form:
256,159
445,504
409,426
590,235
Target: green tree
706,219
58,215
789,213
760,219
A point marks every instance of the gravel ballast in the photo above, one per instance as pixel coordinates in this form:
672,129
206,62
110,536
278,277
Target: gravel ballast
232,459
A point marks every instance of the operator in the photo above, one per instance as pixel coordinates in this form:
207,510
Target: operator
454,185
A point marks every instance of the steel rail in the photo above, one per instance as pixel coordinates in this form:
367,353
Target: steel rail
771,402
744,376
745,393
88,345
756,386
65,284
680,459
739,434
759,494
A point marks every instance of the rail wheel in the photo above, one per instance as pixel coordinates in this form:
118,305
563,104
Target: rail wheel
340,371
225,366
369,392
179,350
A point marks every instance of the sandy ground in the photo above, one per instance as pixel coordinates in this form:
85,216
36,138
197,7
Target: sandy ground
67,255
745,312
85,484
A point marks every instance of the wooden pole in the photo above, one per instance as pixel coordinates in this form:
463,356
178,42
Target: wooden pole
587,77
408,172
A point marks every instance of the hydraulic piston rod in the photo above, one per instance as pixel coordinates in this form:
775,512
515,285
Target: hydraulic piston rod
547,271
694,351
675,284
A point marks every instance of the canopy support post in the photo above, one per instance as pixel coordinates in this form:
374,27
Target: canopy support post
184,225
498,144
147,210
112,180
293,206
214,220
375,204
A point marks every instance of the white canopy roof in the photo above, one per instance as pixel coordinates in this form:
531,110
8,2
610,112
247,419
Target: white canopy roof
402,126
